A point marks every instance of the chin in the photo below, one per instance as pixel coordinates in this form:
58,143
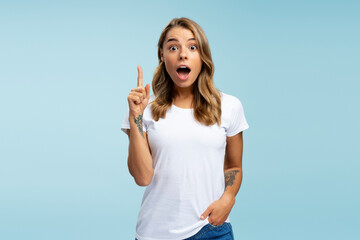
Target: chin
184,84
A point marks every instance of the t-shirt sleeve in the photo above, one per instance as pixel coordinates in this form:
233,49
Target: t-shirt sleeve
126,124
238,121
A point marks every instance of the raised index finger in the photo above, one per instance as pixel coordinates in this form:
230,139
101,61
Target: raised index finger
140,77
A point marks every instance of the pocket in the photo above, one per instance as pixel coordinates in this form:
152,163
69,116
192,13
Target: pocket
217,227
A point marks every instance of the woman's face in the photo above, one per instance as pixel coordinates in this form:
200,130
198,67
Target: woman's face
181,57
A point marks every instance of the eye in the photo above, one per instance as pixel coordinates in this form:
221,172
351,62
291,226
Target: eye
173,48
193,47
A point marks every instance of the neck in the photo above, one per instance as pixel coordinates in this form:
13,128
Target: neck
183,97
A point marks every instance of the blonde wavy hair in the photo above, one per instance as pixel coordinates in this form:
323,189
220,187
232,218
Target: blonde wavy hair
207,99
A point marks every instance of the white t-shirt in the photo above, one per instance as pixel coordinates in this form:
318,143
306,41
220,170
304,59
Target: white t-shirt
189,169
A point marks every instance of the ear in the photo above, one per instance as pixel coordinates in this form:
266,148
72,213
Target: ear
161,55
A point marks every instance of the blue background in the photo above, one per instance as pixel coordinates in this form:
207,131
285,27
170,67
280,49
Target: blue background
66,68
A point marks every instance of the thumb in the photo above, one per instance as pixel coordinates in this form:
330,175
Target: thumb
206,213
147,89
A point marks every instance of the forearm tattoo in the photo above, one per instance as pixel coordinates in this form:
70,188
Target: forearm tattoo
230,177
139,124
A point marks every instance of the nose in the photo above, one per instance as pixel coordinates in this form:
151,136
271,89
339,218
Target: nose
183,53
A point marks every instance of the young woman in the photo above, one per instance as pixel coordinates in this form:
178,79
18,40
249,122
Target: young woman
185,142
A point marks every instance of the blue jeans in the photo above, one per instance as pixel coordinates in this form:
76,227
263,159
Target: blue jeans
222,232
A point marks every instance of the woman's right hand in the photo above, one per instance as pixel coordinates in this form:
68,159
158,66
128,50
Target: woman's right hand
139,97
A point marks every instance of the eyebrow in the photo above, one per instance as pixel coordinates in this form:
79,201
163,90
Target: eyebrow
175,40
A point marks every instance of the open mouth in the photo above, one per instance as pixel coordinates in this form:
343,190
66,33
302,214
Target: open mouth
183,72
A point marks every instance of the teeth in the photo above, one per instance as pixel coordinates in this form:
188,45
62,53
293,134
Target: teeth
183,67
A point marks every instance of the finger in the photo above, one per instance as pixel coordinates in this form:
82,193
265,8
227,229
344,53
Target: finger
134,99
147,90
140,77
139,90
215,223
206,213
140,95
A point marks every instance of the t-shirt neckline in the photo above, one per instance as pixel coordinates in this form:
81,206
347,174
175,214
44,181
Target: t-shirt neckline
181,109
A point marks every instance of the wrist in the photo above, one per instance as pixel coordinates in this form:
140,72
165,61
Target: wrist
228,196
133,116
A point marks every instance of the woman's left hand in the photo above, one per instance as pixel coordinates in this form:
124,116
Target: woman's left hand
219,210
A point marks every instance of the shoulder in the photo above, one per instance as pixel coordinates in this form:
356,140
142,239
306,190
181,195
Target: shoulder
152,98
229,101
